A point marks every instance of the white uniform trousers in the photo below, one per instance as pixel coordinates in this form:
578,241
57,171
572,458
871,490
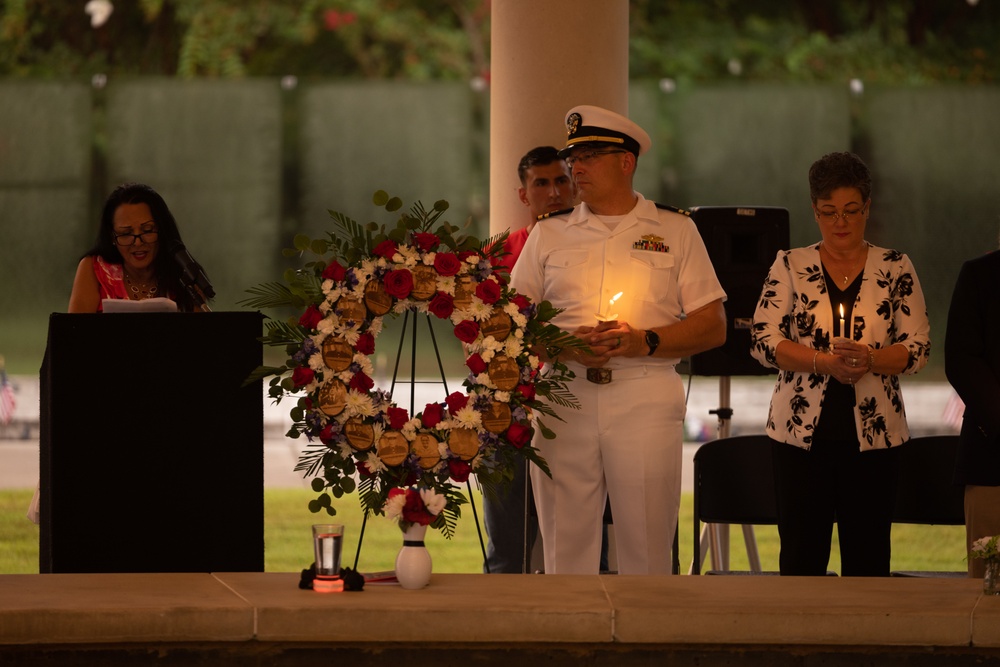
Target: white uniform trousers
624,443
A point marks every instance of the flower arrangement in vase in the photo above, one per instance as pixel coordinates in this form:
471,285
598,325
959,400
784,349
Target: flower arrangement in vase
988,550
414,509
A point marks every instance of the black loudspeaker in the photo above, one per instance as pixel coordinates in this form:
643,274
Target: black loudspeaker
742,242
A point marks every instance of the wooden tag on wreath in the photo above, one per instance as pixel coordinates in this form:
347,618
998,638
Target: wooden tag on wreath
498,325
464,443
360,436
425,446
351,309
504,373
497,418
393,448
337,354
424,282
465,289
333,398
376,298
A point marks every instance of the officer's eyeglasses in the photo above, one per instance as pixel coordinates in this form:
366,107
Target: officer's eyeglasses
586,156
129,239
849,215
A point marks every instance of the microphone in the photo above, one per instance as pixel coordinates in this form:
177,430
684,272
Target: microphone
192,275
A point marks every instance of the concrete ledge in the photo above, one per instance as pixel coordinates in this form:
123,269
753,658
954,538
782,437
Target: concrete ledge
263,618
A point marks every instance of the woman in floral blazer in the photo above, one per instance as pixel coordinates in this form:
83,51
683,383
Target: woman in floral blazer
840,320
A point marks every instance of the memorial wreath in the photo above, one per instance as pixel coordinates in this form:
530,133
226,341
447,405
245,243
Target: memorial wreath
363,273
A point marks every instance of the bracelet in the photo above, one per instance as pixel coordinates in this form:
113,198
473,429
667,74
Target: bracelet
871,358
815,354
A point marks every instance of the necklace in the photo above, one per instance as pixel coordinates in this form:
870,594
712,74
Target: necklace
851,268
139,289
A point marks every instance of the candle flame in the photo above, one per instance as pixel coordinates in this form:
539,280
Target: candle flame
841,311
619,295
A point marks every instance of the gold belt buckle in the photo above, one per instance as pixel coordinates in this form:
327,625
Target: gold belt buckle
599,375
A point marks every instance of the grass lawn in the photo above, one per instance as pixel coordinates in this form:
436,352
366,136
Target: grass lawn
288,541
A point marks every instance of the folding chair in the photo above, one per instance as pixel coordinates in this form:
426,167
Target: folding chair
926,493
733,484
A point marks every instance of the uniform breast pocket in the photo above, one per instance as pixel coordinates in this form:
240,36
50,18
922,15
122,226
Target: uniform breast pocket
653,274
566,274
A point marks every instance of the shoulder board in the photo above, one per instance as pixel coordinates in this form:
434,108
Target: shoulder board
674,209
564,211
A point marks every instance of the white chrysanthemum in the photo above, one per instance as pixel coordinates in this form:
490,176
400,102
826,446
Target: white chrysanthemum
480,311
327,325
374,463
520,321
428,259
402,306
484,379
367,269
514,348
375,326
350,335
365,362
316,362
326,285
519,334
472,259
533,362
433,500
359,404
469,417
410,428
487,353
394,506
446,284
510,308
502,396
410,256
493,344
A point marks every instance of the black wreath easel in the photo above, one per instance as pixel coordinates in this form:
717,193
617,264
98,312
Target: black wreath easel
413,386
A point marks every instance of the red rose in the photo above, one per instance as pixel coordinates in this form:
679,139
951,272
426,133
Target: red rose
302,376
466,331
415,511
446,263
361,382
488,291
426,241
329,433
334,271
459,470
527,390
397,418
365,344
519,434
433,413
522,302
399,283
311,317
456,402
476,363
442,305
386,249
364,469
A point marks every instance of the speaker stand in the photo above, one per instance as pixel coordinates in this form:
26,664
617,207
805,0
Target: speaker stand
715,536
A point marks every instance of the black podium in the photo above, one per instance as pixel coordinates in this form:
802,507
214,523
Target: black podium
151,447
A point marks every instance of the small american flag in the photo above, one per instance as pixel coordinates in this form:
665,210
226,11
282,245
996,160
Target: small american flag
953,413
7,400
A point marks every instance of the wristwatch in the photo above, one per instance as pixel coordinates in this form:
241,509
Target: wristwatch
652,340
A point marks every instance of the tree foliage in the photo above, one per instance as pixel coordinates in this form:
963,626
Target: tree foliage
888,41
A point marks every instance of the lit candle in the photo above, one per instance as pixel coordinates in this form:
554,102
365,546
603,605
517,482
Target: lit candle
611,303
843,332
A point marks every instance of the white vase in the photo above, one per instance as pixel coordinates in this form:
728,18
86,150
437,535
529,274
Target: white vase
413,563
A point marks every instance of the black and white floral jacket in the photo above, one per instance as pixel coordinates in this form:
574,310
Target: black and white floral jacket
794,305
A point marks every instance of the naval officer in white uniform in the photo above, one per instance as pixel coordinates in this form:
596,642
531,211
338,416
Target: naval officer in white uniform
625,442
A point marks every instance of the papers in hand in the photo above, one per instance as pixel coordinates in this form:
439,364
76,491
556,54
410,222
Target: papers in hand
155,305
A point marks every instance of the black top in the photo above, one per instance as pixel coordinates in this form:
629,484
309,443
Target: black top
836,420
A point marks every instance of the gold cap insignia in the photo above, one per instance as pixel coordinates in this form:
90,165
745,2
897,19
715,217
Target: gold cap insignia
652,238
572,122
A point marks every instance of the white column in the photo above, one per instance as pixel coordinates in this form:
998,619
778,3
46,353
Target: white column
546,57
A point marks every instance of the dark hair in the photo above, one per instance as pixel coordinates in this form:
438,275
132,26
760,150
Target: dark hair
541,155
167,271
839,170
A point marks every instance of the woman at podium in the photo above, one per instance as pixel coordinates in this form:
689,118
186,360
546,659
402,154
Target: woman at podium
133,257
840,320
